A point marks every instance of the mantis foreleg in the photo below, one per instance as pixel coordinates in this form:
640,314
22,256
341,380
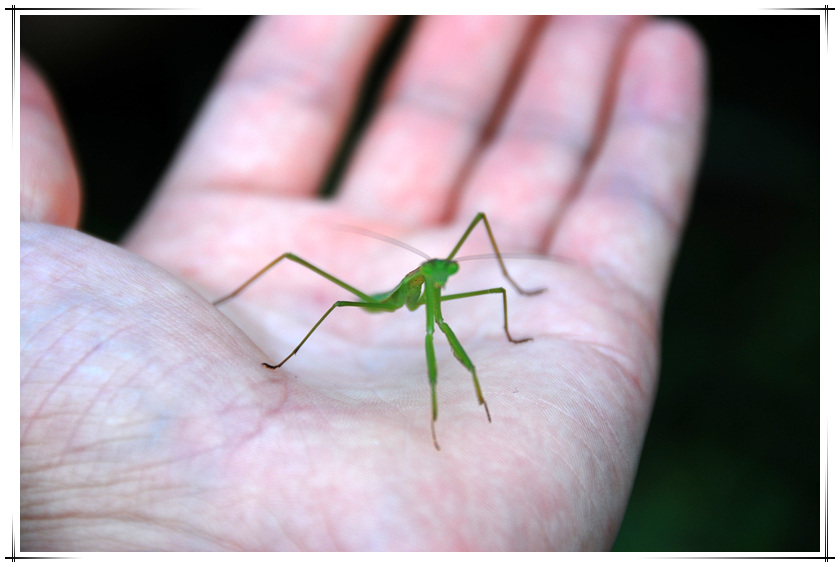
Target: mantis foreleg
462,357
431,364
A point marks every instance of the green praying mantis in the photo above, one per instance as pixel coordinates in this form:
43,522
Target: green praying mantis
422,286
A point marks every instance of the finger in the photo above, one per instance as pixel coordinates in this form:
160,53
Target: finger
279,109
49,180
627,220
434,113
530,167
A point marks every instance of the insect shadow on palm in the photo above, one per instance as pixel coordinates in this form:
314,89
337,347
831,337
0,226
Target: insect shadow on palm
422,286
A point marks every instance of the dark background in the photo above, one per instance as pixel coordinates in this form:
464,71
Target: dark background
731,462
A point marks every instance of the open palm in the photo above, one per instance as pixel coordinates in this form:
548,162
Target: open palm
147,420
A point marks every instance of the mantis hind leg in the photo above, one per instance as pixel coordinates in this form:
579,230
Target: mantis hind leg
298,260
481,217
462,357
362,304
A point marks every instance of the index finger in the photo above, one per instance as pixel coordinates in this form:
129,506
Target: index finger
280,107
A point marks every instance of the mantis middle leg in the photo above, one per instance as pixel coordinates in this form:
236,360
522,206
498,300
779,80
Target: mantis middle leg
500,290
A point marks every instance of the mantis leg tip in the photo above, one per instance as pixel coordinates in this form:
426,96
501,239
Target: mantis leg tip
434,436
279,364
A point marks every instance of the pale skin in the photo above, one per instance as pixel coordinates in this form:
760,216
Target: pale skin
147,419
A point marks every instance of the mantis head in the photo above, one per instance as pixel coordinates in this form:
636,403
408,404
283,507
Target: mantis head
436,272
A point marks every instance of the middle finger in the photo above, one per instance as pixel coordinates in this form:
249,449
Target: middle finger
432,117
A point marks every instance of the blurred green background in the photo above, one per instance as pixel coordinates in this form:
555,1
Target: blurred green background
731,462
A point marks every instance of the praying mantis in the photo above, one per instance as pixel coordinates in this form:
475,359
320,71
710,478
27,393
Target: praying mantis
422,286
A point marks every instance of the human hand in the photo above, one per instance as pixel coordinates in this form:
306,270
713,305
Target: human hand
147,420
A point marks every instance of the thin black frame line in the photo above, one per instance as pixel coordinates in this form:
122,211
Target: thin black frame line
14,59
101,9
14,9
823,557
825,9
14,556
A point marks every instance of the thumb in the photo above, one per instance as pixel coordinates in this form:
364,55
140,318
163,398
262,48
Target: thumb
49,179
